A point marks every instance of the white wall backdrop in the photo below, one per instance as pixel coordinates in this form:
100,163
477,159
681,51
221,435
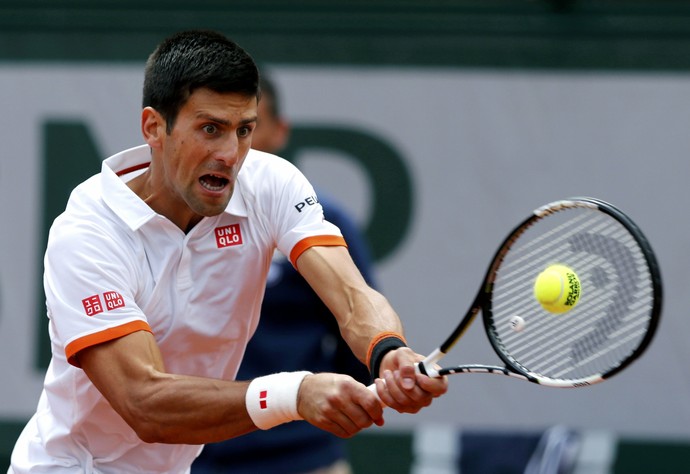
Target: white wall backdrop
484,148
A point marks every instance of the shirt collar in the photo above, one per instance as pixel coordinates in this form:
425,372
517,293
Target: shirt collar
120,168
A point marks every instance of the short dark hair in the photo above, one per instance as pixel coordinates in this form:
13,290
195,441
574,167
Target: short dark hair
191,60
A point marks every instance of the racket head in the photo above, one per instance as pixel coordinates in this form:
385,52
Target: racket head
618,312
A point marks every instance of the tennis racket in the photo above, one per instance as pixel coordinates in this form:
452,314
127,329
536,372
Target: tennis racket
610,326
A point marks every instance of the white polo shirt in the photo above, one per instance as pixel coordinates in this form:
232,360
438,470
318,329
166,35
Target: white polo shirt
113,266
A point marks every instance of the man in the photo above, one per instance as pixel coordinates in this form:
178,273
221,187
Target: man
296,332
154,276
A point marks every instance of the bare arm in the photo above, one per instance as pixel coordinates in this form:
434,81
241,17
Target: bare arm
362,314
167,408
159,406
361,311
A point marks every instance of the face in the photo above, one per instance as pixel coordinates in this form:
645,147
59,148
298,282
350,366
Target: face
194,169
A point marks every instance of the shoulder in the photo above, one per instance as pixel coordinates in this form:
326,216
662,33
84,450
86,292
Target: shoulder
88,225
266,178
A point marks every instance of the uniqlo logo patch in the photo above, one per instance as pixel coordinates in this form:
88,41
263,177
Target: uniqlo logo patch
113,300
228,235
263,399
92,305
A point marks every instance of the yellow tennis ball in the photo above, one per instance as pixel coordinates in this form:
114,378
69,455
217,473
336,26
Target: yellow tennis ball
557,289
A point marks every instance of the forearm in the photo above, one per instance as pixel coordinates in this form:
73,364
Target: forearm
369,315
361,311
367,320
161,407
187,410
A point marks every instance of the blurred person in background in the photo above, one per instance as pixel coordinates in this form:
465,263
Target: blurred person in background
296,332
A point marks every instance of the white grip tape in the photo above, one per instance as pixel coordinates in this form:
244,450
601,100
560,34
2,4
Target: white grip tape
271,400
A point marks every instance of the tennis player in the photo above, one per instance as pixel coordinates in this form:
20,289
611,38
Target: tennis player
154,277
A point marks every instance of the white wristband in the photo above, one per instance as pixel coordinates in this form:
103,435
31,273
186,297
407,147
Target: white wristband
272,400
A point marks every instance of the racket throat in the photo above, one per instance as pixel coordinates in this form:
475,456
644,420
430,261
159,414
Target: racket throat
421,368
426,367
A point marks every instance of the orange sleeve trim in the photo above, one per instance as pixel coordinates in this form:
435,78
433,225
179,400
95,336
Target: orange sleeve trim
378,338
103,336
317,240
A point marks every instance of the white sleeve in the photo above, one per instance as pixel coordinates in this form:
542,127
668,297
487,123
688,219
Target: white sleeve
89,284
293,208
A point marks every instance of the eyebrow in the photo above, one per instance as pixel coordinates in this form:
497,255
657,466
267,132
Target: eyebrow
225,122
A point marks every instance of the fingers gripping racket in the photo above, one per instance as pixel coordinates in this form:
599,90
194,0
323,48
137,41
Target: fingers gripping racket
613,321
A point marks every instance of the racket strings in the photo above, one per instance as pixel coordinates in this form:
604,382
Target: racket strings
627,276
612,315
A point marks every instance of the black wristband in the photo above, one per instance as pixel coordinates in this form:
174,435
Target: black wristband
383,347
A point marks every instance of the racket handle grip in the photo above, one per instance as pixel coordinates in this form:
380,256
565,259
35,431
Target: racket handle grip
372,389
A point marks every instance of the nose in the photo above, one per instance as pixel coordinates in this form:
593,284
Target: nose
229,152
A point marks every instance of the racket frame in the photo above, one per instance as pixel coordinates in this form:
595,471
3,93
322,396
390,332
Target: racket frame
482,302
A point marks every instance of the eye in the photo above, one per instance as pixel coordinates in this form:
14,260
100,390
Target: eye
244,131
210,129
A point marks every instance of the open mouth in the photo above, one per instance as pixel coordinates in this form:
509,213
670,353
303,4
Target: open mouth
213,182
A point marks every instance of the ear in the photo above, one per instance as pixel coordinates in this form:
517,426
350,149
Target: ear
152,127
281,135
